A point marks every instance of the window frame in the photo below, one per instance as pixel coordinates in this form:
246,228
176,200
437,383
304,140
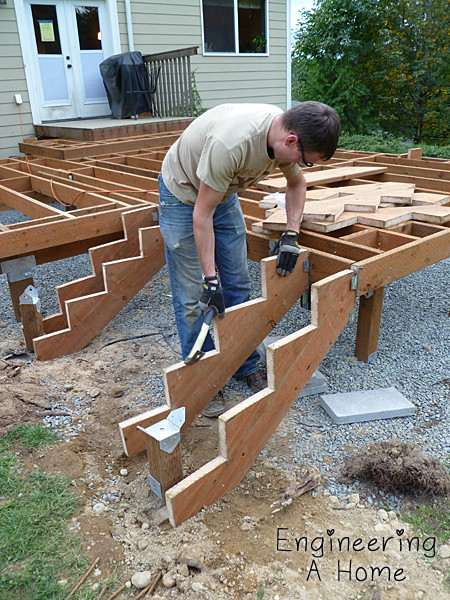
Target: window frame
236,35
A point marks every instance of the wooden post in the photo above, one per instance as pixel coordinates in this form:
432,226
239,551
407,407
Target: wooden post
31,315
20,276
369,320
162,441
415,153
16,289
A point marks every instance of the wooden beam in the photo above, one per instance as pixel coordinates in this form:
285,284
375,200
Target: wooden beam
394,264
22,241
28,206
74,151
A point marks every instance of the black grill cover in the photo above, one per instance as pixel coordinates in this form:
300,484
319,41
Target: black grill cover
123,73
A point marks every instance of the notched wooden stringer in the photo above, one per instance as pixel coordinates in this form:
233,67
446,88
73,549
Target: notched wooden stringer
245,429
236,336
120,270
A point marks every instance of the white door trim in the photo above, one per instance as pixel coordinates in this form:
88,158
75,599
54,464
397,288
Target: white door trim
26,43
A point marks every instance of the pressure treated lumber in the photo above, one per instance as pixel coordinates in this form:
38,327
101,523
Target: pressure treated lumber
88,315
93,284
369,320
245,429
28,239
321,177
193,386
74,151
380,270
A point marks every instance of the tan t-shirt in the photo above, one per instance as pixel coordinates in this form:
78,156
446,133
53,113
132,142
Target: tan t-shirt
226,148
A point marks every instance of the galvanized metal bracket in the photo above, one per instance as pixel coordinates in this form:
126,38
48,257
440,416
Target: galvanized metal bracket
305,300
18,269
306,265
155,486
167,431
372,357
30,296
354,281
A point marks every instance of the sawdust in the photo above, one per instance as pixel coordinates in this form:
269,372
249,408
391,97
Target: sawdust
237,548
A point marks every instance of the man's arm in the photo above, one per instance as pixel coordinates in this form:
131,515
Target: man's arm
205,206
295,201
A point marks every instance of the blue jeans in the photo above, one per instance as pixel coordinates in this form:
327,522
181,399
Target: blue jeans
185,269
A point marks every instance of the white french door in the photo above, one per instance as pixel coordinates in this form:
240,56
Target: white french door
69,39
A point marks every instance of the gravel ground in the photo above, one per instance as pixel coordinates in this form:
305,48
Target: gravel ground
413,356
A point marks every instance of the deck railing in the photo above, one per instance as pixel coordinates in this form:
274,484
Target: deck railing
173,96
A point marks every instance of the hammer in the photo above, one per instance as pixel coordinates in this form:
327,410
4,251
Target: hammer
196,353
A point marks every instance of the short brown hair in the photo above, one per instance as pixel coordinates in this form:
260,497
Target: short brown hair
316,124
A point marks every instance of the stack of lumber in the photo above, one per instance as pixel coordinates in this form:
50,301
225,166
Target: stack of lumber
379,205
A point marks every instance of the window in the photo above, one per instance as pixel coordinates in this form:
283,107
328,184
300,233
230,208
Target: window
234,26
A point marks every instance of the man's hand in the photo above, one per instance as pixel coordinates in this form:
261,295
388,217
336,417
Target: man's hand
212,297
287,250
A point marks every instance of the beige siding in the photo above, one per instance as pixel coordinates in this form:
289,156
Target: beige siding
12,78
158,25
218,78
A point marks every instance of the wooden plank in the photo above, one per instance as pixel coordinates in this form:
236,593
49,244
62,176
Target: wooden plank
387,217
246,428
28,206
193,386
368,330
201,381
93,284
422,184
74,151
90,314
22,241
378,271
322,177
421,198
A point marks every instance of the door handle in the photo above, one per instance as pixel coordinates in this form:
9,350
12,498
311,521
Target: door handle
69,66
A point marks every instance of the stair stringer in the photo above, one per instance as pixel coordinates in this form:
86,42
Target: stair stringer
89,314
125,248
245,429
236,337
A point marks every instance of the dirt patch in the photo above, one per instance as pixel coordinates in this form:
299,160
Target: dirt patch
315,548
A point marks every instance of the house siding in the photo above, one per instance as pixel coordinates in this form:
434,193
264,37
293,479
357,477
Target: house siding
249,78
12,78
156,28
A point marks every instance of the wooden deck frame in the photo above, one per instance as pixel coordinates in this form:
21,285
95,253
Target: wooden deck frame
374,257
56,234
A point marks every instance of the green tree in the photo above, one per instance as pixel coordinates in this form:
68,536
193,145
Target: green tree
414,73
380,63
333,46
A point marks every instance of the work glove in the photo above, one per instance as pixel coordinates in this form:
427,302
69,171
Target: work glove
212,297
287,251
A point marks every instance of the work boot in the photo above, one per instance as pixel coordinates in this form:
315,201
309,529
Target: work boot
216,407
257,381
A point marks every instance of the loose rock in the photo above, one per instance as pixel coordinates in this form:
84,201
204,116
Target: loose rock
141,579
